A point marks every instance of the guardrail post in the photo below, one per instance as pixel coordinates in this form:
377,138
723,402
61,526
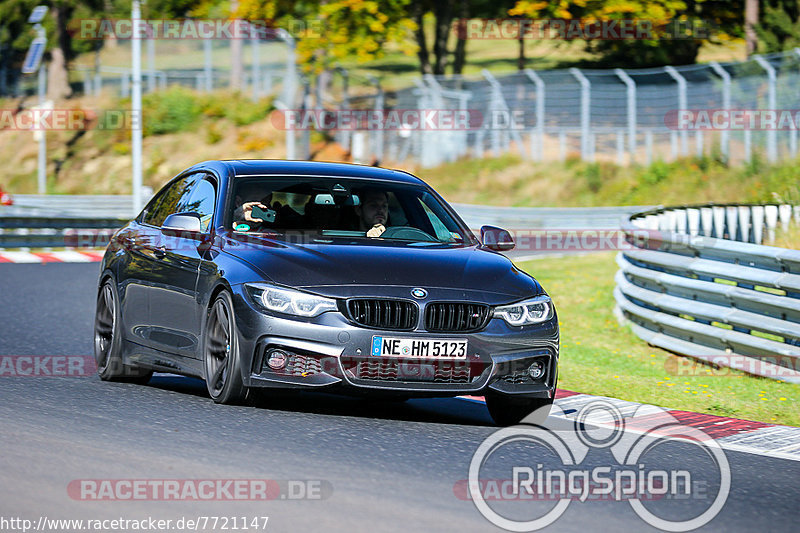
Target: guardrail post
732,217
719,222
648,146
586,88
562,146
706,221
537,147
785,214
771,220
630,86
744,223
757,214
682,105
725,135
772,134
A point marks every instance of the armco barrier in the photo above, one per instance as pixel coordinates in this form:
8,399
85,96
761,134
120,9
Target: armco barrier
19,231
701,284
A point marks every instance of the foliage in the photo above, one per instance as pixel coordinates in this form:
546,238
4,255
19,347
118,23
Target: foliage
179,109
779,27
328,32
679,27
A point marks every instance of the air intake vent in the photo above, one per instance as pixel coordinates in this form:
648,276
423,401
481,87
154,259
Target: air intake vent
383,314
456,317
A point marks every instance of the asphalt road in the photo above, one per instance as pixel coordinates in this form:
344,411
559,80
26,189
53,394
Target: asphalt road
383,466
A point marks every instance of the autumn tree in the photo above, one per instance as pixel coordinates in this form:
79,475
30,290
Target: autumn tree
679,27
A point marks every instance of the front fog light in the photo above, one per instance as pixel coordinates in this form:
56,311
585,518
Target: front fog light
276,359
536,370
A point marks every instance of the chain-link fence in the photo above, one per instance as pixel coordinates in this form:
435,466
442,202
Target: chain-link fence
620,115
267,66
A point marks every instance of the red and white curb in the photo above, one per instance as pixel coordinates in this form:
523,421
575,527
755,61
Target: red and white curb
66,256
732,434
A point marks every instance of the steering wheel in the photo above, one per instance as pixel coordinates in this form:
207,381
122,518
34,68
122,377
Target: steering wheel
406,232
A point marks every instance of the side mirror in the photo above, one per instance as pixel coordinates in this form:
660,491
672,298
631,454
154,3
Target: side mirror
496,239
188,222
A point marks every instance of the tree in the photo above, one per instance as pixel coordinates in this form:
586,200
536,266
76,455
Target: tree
330,31
779,27
679,26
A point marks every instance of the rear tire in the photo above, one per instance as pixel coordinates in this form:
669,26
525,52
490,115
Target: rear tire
507,410
108,340
221,361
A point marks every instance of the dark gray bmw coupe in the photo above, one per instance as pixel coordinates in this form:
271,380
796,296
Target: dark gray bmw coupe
336,277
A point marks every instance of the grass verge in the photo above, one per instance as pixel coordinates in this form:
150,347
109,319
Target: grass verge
599,356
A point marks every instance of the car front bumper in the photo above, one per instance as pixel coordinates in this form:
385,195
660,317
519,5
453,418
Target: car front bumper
330,352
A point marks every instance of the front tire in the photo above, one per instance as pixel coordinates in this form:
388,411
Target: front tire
221,361
507,410
108,340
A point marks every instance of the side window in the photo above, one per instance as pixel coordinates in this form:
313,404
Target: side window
168,200
442,233
201,201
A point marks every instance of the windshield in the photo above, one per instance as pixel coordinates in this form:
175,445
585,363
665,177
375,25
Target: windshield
341,207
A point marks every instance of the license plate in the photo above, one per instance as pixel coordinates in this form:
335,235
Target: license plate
422,348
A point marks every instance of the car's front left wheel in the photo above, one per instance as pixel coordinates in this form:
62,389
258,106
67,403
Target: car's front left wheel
108,340
221,353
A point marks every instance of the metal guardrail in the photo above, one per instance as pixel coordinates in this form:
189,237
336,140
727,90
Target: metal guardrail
19,231
698,282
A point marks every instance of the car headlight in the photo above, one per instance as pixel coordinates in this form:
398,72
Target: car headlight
526,312
289,301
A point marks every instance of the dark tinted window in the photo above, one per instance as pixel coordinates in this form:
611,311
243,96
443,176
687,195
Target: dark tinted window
168,199
341,207
200,201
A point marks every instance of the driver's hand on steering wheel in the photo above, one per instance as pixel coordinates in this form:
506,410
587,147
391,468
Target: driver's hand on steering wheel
376,230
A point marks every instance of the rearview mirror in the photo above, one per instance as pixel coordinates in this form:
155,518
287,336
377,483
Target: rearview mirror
183,222
496,239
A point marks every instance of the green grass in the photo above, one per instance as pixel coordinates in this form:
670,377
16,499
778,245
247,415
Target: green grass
510,180
600,356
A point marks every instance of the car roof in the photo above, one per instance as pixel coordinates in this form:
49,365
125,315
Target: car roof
259,167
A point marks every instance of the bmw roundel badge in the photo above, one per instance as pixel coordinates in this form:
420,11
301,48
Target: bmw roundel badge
419,294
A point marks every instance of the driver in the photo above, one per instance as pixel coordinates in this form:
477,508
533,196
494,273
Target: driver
373,213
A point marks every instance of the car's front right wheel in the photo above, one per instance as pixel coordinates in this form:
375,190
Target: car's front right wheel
221,353
507,410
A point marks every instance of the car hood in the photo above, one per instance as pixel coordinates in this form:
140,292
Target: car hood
344,269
